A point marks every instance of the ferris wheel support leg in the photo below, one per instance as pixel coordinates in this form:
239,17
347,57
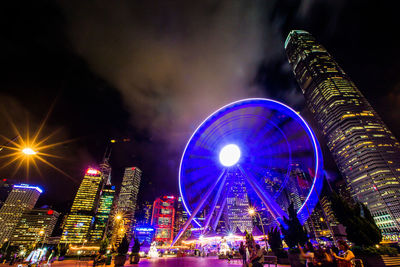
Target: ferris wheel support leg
214,203
199,206
215,224
277,213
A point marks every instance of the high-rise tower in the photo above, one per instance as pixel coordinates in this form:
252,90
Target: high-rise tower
22,198
365,151
81,216
101,222
127,198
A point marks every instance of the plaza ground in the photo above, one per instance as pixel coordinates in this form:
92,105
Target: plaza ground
168,262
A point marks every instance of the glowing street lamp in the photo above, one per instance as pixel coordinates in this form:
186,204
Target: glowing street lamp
252,211
29,151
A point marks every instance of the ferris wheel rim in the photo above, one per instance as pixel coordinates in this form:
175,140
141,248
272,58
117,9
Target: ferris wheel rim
316,148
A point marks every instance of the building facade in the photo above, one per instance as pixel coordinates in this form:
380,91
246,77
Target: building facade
22,198
163,218
81,217
35,226
364,149
126,204
237,203
101,221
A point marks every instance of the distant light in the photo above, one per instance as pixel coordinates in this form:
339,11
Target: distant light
50,212
28,151
25,186
113,141
92,171
229,155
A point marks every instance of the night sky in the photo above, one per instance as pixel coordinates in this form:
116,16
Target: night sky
151,71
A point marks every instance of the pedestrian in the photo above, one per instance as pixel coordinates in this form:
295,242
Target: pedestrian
257,257
346,256
307,253
242,252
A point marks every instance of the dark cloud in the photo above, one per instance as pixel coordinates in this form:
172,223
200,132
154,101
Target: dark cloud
176,62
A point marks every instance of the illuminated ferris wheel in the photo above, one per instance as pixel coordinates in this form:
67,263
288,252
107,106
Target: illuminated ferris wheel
261,141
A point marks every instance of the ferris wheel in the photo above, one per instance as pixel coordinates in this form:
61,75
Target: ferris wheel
253,138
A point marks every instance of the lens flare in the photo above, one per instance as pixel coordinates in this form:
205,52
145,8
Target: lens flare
26,149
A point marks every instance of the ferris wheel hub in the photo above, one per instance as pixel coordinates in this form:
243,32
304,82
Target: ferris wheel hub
229,155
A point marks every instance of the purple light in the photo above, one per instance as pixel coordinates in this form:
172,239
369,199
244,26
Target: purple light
25,186
286,112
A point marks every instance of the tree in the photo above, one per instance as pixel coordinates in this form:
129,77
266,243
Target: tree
123,246
360,226
292,230
103,246
274,239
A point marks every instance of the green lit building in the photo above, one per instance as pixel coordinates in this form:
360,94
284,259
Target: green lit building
82,215
364,149
101,223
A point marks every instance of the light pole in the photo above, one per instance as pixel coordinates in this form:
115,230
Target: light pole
253,212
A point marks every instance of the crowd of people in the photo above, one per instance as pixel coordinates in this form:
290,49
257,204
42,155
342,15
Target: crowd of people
329,257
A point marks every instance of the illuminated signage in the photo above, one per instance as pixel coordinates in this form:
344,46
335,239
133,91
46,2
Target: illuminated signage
144,229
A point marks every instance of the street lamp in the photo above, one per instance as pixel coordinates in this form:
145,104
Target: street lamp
29,151
252,211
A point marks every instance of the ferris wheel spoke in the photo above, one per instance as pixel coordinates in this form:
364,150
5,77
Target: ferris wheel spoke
275,210
222,207
199,206
214,203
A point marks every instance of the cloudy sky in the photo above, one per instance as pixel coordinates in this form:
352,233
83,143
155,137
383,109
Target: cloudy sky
151,71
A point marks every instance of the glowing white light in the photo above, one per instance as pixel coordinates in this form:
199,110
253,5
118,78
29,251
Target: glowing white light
29,151
229,155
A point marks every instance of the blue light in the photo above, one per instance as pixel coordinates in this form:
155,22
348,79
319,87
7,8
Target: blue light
144,229
25,186
270,135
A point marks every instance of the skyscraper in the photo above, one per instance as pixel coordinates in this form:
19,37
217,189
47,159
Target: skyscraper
81,216
365,151
237,203
101,222
127,198
22,198
35,226
162,219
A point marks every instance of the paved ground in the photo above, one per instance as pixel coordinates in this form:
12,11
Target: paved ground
167,262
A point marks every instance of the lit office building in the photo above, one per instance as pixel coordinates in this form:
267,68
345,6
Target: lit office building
22,198
101,221
126,204
81,216
237,204
162,219
366,152
35,226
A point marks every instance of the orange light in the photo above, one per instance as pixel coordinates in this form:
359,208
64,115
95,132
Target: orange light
92,171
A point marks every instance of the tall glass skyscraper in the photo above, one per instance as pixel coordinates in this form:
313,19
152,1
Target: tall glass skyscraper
81,216
366,152
101,222
237,203
127,198
21,199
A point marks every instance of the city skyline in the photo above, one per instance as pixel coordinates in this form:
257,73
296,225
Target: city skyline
101,113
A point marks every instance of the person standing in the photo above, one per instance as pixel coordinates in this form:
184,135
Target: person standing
307,253
242,251
345,257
